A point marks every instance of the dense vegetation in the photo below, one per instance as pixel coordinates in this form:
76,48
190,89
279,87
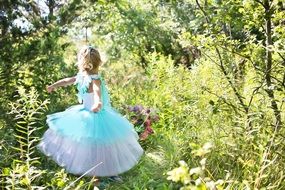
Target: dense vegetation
213,70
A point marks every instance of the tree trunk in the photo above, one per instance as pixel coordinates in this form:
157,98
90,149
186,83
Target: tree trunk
51,5
268,61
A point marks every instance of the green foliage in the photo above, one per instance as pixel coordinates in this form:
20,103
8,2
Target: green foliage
208,67
194,109
27,111
21,176
197,177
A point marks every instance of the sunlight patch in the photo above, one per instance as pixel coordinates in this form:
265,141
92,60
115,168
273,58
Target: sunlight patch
157,157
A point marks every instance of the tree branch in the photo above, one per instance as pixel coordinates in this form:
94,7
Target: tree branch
221,65
224,100
206,16
260,2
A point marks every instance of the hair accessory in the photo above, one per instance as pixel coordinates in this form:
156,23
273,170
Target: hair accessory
90,48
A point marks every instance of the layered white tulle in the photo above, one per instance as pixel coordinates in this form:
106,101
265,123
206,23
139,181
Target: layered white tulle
79,157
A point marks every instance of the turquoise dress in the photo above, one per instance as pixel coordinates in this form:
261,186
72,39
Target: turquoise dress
94,144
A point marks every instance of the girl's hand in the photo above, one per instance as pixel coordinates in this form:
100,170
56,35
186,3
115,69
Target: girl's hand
50,88
96,108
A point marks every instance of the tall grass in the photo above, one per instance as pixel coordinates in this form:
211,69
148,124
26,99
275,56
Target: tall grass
195,107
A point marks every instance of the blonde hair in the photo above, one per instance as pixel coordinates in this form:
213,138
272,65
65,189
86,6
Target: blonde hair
89,59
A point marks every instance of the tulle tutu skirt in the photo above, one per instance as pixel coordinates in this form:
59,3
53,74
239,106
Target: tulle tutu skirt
78,140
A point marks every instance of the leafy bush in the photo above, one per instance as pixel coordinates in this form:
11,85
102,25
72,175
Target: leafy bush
27,111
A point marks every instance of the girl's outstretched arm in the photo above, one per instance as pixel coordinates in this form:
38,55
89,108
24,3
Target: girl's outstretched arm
62,82
97,96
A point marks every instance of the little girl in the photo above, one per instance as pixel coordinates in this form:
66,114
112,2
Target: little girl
90,138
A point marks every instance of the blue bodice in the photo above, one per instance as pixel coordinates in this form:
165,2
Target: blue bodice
83,82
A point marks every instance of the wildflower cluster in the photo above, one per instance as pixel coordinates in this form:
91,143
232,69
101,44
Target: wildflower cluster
142,119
